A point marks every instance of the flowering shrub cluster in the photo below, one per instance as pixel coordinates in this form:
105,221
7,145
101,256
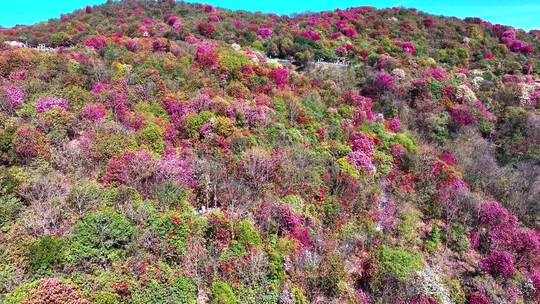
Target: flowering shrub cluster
280,76
362,154
13,97
265,32
97,42
499,263
94,112
47,103
52,291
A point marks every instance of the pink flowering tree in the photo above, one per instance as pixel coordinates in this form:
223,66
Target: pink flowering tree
382,82
362,155
462,115
12,97
264,32
361,161
350,32
408,48
479,297
96,42
206,29
177,168
394,124
280,76
362,106
311,35
499,263
94,113
206,55
292,224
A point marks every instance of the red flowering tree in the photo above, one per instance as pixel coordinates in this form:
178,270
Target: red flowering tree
130,168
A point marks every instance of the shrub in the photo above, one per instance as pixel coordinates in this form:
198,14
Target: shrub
48,103
259,167
298,295
233,61
7,148
434,240
247,234
438,126
222,293
151,137
46,291
407,141
181,291
328,277
13,97
10,206
399,263
332,210
108,143
46,253
194,123
104,297
499,263
30,143
177,229
87,195
130,168
101,235
457,238
408,225
346,167
172,195
94,113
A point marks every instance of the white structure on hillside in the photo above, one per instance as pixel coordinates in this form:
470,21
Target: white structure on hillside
16,44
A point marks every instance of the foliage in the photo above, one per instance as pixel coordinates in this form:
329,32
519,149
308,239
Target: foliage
222,293
46,253
101,235
181,291
399,263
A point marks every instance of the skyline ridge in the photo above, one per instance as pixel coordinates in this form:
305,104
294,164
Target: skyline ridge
17,14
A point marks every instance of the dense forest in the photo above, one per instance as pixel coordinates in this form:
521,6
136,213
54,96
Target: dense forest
166,152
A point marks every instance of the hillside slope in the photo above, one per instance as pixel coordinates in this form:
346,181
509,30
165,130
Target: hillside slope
162,152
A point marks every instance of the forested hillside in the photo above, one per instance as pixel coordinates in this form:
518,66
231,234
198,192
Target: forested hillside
165,152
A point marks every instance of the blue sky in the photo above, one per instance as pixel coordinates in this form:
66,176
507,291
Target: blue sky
524,15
